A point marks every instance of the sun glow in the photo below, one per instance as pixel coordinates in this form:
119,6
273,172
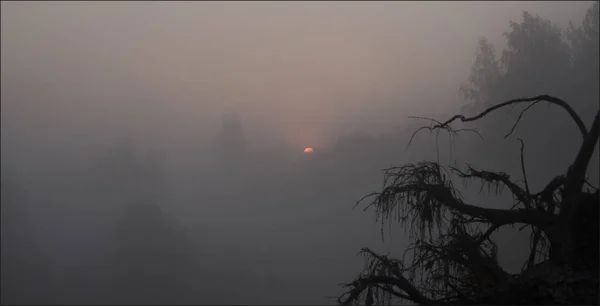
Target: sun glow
308,150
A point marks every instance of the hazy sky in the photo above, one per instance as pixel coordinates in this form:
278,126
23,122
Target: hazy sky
76,76
303,71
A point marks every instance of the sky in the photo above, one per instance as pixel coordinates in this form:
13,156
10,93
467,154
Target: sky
300,71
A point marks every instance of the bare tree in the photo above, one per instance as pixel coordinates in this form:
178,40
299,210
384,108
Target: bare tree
452,258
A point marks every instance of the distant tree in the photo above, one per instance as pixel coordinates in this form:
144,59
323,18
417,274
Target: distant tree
117,172
584,42
231,142
485,77
453,256
128,175
27,273
152,258
539,57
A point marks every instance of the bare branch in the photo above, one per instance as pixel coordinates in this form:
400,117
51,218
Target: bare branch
547,98
425,118
437,126
364,197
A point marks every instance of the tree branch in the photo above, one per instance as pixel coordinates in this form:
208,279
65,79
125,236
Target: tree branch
477,261
422,190
438,125
503,217
361,284
492,177
393,292
488,233
547,98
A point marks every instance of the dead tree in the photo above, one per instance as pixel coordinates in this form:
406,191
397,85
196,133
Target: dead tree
453,258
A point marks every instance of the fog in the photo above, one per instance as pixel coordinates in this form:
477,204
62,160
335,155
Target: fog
155,149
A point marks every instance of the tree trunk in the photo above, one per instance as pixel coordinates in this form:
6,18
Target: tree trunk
575,242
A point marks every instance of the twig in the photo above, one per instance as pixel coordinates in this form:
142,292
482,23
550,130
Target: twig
363,198
424,118
519,118
488,233
436,127
523,167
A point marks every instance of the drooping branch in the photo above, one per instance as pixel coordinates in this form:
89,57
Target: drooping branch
492,177
468,251
385,274
361,284
457,249
428,190
438,126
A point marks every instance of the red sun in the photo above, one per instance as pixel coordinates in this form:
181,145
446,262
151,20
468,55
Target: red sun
308,150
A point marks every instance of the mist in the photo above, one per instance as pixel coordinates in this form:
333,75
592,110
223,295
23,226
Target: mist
152,152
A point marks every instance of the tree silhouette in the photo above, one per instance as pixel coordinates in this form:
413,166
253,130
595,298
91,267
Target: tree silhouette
453,255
